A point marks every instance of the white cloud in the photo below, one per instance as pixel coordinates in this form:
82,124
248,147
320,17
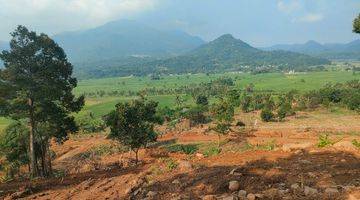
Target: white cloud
59,15
310,18
288,6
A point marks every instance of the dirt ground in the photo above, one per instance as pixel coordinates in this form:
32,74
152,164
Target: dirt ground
278,160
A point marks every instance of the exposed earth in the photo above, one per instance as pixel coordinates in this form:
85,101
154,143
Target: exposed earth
278,160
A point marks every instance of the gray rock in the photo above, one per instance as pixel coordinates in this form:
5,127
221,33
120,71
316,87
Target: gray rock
308,191
295,186
331,191
176,181
242,193
234,186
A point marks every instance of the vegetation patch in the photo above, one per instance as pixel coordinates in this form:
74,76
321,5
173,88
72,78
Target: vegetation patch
183,148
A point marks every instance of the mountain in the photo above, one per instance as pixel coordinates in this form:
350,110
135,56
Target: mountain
223,54
123,38
349,50
227,53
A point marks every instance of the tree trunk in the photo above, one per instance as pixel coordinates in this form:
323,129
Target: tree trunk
136,156
219,138
48,159
33,168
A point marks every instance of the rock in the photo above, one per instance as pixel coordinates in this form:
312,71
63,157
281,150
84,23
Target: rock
345,146
251,196
209,197
151,194
229,197
233,172
342,160
331,191
199,155
260,196
185,165
295,146
271,193
242,193
234,186
176,181
295,186
308,191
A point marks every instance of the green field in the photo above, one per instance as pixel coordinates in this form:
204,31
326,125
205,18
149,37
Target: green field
270,81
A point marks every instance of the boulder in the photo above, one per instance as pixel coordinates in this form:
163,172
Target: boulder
242,193
308,191
234,186
295,187
251,196
331,191
185,165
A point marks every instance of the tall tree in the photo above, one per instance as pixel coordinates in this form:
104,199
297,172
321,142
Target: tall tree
36,85
357,25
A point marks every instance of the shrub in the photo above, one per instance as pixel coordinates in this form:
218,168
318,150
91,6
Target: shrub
266,115
324,141
202,100
90,124
212,151
183,148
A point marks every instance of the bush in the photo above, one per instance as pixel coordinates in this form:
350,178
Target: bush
324,141
183,148
202,100
196,115
90,124
212,151
266,115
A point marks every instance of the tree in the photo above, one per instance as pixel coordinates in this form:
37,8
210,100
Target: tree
132,123
36,85
356,25
266,114
202,100
223,114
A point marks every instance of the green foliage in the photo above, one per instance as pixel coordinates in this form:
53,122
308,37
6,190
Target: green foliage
202,100
36,85
212,151
356,25
196,114
324,141
90,124
356,143
266,115
183,148
14,144
170,164
132,123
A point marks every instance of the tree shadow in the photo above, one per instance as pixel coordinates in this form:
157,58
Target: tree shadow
318,170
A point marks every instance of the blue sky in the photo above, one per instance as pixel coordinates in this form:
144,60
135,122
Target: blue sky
258,22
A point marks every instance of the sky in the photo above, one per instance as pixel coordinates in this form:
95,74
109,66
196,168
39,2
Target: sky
258,22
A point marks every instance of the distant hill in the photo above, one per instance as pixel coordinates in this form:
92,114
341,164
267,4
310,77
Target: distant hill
223,54
329,51
119,39
228,53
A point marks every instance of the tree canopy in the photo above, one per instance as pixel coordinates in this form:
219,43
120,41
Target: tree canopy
36,85
357,25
